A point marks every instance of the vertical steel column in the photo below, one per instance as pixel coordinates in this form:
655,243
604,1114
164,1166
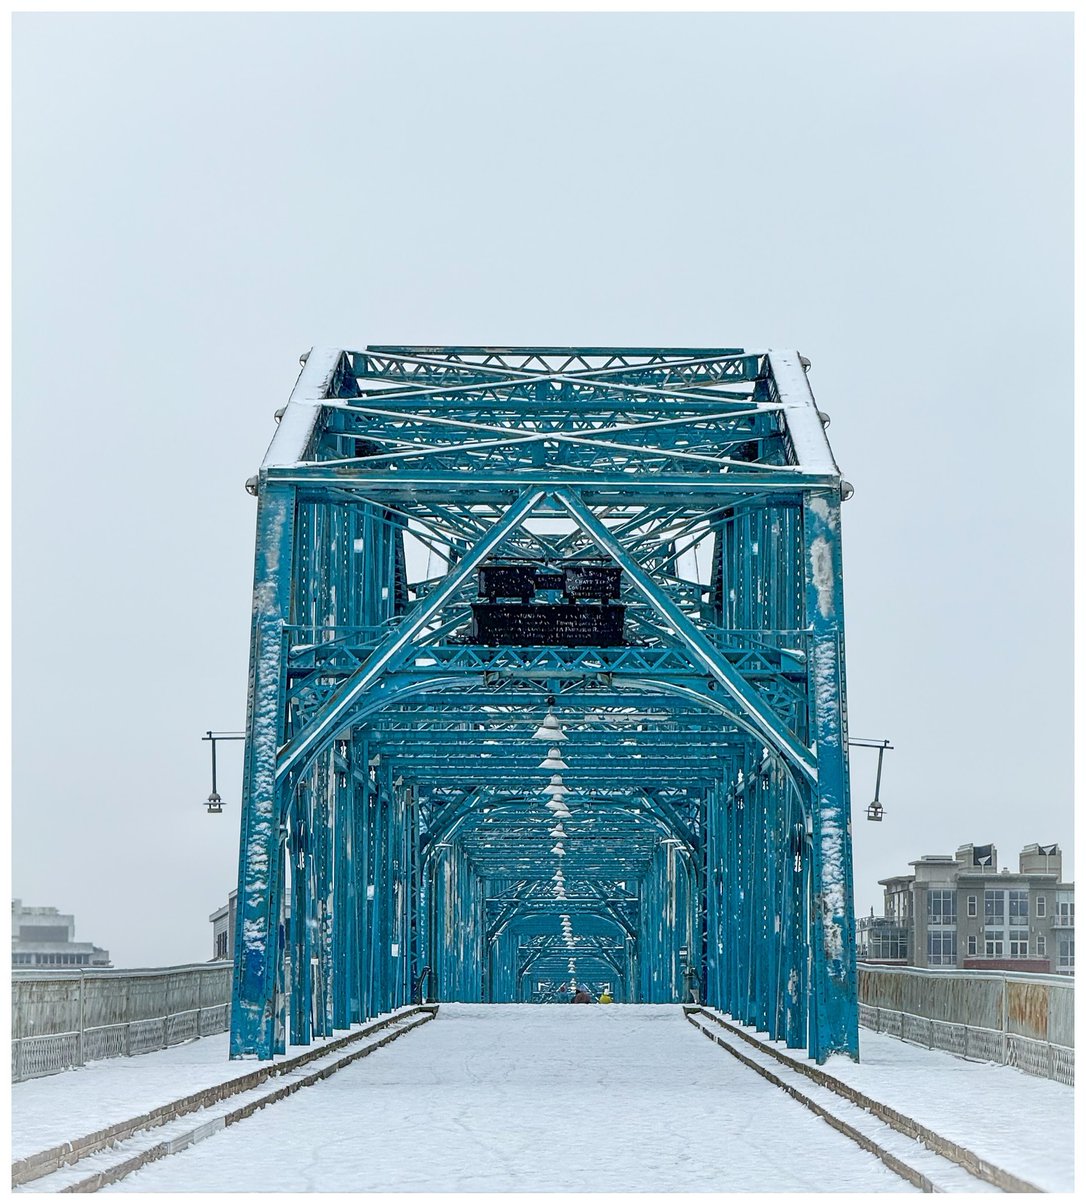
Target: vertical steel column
301,1022
322,917
713,876
343,895
420,955
362,794
731,901
252,1018
379,926
745,872
279,1018
719,934
395,895
774,939
426,915
834,1027
760,906
796,915
298,918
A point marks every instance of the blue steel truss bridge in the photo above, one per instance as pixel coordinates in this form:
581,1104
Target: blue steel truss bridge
546,691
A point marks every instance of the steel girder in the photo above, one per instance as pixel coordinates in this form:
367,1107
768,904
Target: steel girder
392,781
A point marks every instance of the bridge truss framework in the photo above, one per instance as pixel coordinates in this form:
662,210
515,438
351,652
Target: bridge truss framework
394,839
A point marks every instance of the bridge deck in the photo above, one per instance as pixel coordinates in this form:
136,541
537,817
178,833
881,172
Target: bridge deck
557,1098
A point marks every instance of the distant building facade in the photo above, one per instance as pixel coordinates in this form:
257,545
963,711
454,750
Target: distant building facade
44,938
961,910
222,927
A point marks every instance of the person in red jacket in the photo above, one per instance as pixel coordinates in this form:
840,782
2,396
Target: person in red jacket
581,996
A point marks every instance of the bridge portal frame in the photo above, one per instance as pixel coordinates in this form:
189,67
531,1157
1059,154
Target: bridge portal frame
461,448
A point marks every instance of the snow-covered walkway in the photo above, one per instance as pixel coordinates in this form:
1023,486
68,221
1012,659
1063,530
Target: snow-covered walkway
49,1111
525,1098
1019,1122
556,1098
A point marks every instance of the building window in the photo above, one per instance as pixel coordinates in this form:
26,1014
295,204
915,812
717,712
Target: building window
1042,906
220,944
1019,943
972,941
1018,907
1067,954
941,948
941,907
994,908
1064,916
1042,945
971,906
993,944
888,942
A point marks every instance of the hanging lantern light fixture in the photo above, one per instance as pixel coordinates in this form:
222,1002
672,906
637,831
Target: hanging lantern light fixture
550,730
553,761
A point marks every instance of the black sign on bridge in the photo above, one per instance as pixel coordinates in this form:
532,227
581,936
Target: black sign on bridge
595,621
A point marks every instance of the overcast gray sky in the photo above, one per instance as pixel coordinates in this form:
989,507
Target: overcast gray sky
198,199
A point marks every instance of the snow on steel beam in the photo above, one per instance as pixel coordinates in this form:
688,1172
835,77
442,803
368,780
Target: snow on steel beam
483,485
663,352
298,424
805,429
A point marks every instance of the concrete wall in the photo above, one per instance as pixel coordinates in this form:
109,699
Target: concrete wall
1025,1005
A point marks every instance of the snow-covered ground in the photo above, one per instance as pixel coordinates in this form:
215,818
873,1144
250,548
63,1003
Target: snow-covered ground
524,1098
1016,1121
49,1111
556,1098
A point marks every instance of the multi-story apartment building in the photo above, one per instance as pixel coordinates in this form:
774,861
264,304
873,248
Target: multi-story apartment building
961,910
45,938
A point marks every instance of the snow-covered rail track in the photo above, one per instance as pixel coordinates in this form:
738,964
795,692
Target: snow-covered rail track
99,1159
919,1155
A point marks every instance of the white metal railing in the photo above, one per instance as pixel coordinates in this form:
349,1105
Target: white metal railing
63,1019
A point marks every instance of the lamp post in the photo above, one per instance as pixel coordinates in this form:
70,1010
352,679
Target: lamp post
214,801
874,810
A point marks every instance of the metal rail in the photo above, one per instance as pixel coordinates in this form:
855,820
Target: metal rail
64,1019
97,1159
921,1156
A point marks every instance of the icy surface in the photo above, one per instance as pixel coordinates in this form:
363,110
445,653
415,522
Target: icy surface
581,1098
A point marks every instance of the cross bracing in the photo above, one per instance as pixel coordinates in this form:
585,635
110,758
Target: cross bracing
698,842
